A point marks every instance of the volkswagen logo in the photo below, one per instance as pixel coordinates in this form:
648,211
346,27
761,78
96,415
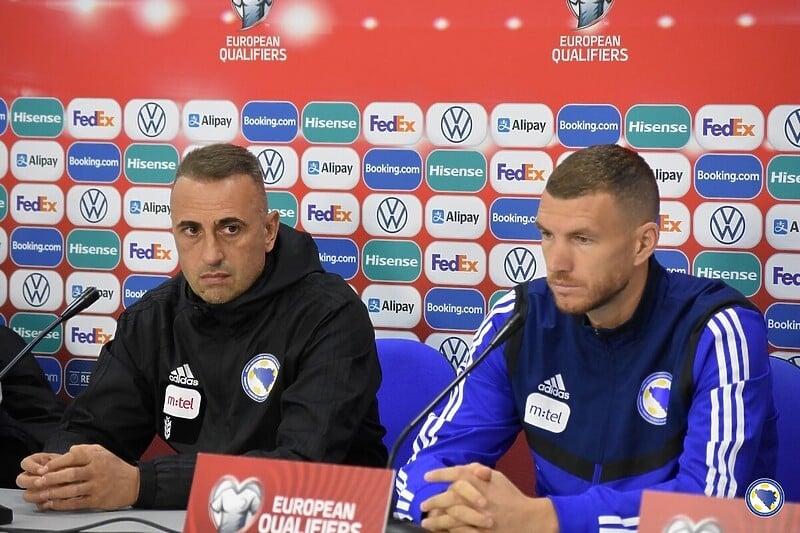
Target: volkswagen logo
94,205
727,224
456,124
151,119
455,350
36,290
792,128
272,166
392,214
519,265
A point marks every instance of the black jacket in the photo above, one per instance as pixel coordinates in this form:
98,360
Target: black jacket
29,412
287,370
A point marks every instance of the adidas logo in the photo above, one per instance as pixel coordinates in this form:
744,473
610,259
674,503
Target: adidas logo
555,387
183,375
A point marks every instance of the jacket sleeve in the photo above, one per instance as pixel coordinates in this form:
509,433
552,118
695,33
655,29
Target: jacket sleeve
730,434
477,424
27,396
329,412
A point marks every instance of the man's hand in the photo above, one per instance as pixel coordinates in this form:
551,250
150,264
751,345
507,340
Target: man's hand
86,477
481,499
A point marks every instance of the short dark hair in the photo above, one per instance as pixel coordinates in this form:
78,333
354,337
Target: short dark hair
613,169
217,161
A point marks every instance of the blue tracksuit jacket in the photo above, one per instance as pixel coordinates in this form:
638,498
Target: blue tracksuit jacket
678,399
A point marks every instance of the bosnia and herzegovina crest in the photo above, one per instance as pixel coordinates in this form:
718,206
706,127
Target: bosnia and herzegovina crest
251,11
589,12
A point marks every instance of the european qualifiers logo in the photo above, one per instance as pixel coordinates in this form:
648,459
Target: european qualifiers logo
251,12
589,12
233,505
589,48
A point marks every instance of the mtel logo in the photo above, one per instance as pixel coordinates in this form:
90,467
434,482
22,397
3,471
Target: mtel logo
37,160
270,122
37,204
510,264
135,286
151,120
37,117
280,166
454,309
672,170
210,120
781,276
330,213
393,123
674,224
456,170
339,256
394,306
325,167
453,347
31,290
783,127
729,127
731,225
783,227
783,325
106,283
147,207
84,335
94,118
392,169
520,172
149,251
455,263
397,215
456,124
455,217
522,125
93,206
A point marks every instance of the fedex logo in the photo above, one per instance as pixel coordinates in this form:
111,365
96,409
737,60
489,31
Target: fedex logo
154,251
40,205
94,336
735,127
398,123
335,213
524,172
668,225
460,263
781,277
97,119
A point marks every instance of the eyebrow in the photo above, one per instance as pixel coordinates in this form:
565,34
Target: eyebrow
219,223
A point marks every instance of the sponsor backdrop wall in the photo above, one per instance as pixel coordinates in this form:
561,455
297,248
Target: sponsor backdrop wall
412,139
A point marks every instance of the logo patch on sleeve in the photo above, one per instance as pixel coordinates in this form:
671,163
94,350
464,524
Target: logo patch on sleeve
259,375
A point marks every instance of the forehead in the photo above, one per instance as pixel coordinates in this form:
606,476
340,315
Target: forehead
233,196
596,211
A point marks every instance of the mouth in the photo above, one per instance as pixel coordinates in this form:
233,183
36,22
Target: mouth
213,277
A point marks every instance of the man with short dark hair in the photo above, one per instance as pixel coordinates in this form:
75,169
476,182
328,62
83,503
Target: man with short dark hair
623,377
251,349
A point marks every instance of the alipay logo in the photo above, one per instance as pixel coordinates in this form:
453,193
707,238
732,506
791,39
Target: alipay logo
672,170
729,225
106,283
37,160
456,217
783,223
148,207
522,125
456,124
328,167
151,120
210,120
397,215
393,306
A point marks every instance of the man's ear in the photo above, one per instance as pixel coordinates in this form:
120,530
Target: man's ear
646,241
272,222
